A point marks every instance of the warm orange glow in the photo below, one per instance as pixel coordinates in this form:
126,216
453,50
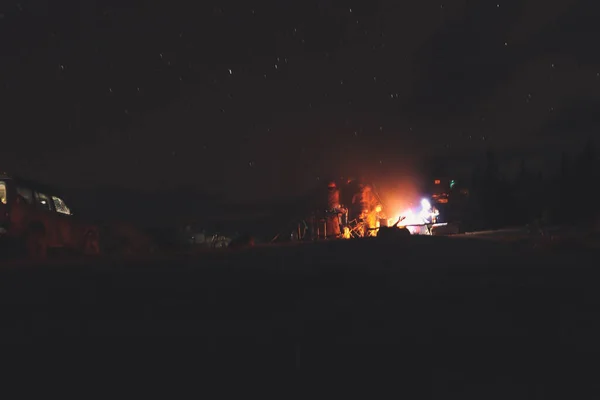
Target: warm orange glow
443,201
2,193
398,198
346,233
410,218
437,181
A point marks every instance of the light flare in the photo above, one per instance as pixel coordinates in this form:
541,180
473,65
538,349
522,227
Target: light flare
426,214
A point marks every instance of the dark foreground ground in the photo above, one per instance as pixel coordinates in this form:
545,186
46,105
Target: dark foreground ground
441,317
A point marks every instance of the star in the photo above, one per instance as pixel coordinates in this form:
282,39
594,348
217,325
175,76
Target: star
304,78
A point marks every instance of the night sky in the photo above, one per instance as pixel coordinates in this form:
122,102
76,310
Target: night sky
249,99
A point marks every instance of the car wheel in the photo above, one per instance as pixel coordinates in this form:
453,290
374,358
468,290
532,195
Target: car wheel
36,242
91,244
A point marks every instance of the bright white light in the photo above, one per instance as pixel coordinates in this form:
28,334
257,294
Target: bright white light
414,219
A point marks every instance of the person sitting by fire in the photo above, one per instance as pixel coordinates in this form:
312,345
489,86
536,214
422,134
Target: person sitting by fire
364,205
435,214
334,211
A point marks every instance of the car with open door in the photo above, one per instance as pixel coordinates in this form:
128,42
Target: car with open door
36,218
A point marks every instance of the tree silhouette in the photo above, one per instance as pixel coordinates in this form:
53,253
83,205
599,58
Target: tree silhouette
564,165
523,174
492,170
587,159
531,196
488,192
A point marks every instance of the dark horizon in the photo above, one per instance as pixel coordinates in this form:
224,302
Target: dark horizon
178,205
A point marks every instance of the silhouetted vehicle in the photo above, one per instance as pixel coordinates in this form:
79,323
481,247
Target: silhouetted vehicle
34,216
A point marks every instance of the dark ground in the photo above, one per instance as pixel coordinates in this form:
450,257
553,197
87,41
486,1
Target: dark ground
462,318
